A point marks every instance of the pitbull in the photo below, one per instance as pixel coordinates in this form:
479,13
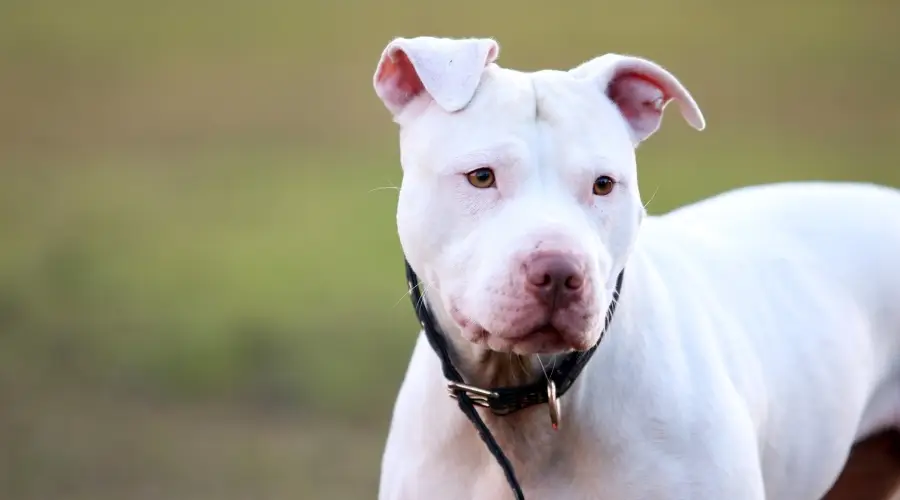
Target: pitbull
757,333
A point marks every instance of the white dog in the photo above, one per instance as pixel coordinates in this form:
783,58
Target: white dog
757,334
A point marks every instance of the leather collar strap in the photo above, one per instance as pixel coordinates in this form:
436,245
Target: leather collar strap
501,400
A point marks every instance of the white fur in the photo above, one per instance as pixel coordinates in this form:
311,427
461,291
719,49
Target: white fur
756,339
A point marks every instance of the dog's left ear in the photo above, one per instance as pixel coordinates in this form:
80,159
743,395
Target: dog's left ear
641,89
446,69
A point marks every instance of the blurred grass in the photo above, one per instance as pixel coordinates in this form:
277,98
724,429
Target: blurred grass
201,292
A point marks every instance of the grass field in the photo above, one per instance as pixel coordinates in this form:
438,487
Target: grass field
201,290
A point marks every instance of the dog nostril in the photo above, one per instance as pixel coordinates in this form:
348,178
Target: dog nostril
541,280
574,282
544,281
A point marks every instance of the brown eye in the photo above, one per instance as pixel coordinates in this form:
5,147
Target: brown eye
482,178
603,185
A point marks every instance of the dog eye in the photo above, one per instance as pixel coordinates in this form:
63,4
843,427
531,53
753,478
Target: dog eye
603,185
482,178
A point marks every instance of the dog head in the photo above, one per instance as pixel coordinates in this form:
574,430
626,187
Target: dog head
519,203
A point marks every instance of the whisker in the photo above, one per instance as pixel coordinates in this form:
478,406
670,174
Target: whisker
651,197
543,369
383,188
405,295
522,364
409,292
424,288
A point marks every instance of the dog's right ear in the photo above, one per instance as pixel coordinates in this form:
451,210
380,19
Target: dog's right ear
640,89
445,69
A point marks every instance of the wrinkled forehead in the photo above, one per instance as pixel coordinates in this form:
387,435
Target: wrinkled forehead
533,118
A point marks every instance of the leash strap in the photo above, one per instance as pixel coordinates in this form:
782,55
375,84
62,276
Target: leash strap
439,345
503,400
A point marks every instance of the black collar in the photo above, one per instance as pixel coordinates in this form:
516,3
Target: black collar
503,400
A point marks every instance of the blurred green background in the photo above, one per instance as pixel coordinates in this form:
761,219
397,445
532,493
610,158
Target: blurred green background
201,289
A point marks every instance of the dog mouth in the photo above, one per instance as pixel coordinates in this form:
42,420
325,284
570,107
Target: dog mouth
543,339
543,334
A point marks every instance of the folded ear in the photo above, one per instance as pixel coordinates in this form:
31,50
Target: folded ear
445,69
641,89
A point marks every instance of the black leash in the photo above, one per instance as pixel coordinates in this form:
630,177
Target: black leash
503,400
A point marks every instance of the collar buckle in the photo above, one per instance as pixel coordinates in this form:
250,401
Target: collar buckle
479,397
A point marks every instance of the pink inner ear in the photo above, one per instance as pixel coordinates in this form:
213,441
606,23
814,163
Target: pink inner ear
492,55
399,79
631,92
640,98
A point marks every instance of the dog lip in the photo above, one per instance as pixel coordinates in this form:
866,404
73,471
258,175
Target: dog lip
545,329
558,339
469,329
543,335
545,339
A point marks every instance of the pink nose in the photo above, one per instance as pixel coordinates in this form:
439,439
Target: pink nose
555,279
